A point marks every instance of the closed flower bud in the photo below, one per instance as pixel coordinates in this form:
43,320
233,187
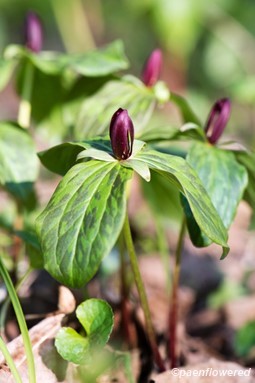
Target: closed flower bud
121,134
152,68
33,32
217,120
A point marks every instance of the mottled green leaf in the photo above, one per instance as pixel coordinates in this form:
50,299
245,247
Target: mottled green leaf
224,180
180,173
18,162
96,317
83,220
128,93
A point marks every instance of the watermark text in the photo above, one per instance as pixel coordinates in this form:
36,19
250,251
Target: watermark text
210,372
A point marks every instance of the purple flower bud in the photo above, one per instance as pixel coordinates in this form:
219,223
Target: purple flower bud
152,68
217,120
33,32
121,134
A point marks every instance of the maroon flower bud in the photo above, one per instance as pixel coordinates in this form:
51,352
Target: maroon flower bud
217,120
152,68
121,134
33,32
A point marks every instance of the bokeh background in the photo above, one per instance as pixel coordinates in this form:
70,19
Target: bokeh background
209,47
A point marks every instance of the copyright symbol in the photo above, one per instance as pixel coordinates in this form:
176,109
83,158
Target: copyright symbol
175,372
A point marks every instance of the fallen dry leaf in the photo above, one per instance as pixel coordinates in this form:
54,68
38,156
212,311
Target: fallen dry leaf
41,337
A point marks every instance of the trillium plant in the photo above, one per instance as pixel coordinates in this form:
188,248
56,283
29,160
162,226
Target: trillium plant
103,120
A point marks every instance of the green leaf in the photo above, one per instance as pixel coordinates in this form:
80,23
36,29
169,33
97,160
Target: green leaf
110,59
101,62
224,180
187,113
139,167
83,220
61,158
61,80
96,154
247,159
154,134
188,131
180,173
96,317
18,162
129,93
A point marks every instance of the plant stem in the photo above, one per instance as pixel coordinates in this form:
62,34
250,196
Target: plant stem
141,290
173,316
163,250
24,115
125,314
21,321
6,304
10,361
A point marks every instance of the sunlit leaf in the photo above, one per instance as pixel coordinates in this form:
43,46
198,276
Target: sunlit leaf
96,317
180,174
83,220
224,180
129,93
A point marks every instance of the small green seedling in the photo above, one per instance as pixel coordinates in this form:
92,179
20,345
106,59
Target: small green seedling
96,318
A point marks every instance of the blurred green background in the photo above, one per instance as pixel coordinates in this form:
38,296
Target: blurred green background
209,47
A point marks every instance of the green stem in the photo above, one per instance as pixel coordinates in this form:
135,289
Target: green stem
21,321
163,250
10,361
125,314
24,115
141,290
174,302
6,304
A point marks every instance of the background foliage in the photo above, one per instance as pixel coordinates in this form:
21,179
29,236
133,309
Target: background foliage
208,47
